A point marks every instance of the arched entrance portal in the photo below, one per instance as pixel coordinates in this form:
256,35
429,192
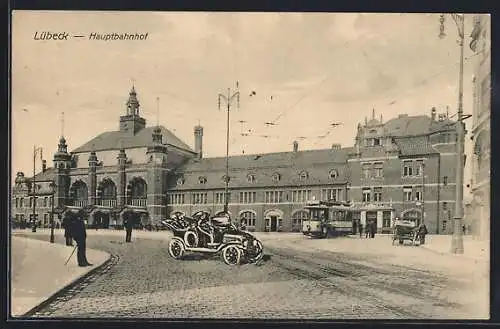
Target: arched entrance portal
274,220
101,219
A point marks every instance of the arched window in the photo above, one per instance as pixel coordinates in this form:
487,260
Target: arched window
180,180
79,191
303,175
248,218
108,190
225,178
297,219
137,188
202,180
276,177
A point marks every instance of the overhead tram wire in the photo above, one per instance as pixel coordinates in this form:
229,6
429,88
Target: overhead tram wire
416,86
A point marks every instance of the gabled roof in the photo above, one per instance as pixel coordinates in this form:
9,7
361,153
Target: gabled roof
47,175
405,125
415,146
113,140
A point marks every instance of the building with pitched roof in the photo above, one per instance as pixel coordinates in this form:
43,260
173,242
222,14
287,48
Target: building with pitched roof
399,168
481,131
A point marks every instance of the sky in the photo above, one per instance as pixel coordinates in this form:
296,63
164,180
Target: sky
318,68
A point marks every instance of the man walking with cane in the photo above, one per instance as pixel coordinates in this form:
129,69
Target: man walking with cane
80,236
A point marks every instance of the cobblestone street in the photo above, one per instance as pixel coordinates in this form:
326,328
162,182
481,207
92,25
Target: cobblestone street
147,282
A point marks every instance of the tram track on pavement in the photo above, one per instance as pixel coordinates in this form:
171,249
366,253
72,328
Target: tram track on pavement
332,278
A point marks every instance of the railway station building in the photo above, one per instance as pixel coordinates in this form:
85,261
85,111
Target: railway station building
400,168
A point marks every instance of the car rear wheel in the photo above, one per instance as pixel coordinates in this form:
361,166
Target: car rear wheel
191,239
231,255
176,249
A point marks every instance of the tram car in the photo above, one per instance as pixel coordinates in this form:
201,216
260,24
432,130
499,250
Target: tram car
328,219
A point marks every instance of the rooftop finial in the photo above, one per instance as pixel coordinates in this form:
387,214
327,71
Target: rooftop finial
62,124
373,113
157,111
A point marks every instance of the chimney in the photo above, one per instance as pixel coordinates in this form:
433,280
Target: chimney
44,166
433,113
336,146
198,141
295,146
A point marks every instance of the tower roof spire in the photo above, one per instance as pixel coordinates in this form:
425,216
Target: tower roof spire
157,111
62,124
132,102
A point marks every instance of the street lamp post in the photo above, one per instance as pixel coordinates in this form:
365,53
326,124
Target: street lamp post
53,191
457,244
35,152
229,99
423,191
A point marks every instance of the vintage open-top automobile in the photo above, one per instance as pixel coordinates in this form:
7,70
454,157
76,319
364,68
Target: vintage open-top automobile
205,234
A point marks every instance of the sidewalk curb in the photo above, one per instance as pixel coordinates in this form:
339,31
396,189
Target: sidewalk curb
449,254
67,287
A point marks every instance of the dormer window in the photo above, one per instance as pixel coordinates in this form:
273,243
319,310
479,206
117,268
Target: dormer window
251,178
333,174
303,175
225,179
180,181
276,177
202,180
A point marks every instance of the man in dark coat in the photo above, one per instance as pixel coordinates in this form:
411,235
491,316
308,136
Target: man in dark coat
80,235
360,229
66,224
129,225
422,232
373,229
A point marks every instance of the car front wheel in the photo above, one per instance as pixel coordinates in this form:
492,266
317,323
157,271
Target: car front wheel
231,255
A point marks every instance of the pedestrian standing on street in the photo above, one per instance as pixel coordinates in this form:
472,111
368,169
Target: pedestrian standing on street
422,232
66,224
360,230
373,228
367,229
80,235
129,223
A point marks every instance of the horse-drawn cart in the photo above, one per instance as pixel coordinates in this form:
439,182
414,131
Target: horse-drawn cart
405,231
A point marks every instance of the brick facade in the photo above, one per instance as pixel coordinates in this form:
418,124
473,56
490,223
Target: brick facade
381,174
